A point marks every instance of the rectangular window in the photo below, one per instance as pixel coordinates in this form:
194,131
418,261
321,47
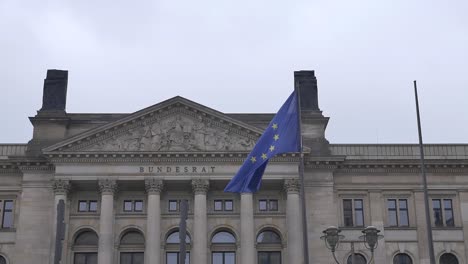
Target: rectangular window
392,212
173,258
93,206
437,208
138,206
83,206
359,212
448,212
269,257
403,213
348,212
128,206
7,219
173,206
262,205
353,212
228,205
218,205
397,212
87,206
273,205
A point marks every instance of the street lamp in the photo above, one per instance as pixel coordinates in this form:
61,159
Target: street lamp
370,238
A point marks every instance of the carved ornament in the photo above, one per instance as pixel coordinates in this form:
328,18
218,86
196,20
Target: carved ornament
107,186
177,132
61,186
292,185
154,185
200,186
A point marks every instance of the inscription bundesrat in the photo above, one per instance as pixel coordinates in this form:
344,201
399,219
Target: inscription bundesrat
177,169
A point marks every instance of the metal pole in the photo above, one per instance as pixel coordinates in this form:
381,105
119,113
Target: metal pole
423,172
301,178
183,230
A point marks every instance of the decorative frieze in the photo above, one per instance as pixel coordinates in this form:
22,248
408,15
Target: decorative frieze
107,186
200,186
61,186
292,185
154,185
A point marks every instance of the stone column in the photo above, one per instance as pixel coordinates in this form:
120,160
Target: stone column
153,223
200,243
294,221
247,229
61,189
464,219
107,188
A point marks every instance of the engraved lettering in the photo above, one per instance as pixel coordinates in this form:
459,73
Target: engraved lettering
177,169
168,169
159,169
150,169
212,169
142,169
194,169
186,169
203,169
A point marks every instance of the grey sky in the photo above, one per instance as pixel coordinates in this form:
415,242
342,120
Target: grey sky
239,56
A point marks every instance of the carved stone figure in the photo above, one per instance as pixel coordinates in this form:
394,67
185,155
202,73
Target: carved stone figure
175,133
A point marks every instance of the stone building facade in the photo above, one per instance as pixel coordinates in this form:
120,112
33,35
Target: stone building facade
122,177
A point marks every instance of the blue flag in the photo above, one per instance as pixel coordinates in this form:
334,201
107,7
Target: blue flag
281,136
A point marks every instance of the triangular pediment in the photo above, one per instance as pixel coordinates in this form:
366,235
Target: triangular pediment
175,125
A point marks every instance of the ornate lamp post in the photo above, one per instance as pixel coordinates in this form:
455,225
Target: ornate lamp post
370,238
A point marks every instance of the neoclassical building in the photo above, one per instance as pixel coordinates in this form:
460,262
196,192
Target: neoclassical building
120,180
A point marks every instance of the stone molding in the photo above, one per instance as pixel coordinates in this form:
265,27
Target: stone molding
200,186
154,185
121,127
107,186
61,186
292,185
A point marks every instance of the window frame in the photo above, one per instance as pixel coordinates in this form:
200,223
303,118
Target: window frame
398,212
224,256
177,203
268,205
4,211
88,206
443,212
353,211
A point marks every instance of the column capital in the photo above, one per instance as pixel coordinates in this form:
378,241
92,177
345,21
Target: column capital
154,185
292,185
200,186
107,186
61,186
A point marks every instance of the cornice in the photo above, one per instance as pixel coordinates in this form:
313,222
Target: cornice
138,157
150,116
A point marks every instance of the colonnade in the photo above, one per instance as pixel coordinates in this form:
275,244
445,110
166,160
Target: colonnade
199,252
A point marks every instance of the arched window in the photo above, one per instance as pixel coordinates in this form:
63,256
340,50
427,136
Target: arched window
223,248
269,247
132,247
358,259
448,258
402,259
2,260
85,247
172,248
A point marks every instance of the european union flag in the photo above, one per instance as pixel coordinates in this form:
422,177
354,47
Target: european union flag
281,136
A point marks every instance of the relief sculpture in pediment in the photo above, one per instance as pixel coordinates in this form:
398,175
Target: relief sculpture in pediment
176,133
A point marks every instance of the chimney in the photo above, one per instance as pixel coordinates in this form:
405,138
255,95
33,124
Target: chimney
313,122
54,98
306,83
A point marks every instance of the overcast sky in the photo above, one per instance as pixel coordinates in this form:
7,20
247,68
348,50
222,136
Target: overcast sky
239,56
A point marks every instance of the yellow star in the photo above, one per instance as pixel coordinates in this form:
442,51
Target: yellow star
276,137
264,156
253,159
272,148
275,126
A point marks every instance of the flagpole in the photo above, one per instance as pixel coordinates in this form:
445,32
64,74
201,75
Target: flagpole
423,172
301,179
